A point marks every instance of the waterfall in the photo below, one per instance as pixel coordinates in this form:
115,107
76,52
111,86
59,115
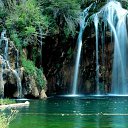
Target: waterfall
19,86
3,38
113,18
116,18
1,78
96,21
5,61
83,24
16,72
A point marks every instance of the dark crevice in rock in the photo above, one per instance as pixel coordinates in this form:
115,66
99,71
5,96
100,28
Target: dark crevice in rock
10,90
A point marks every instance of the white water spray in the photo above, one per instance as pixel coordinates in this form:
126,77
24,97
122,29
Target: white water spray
96,21
83,24
5,62
116,17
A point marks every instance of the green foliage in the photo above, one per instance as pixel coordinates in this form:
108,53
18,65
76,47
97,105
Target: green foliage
16,40
7,101
23,14
35,54
30,30
70,52
28,66
41,82
6,119
25,19
63,14
2,12
30,69
2,15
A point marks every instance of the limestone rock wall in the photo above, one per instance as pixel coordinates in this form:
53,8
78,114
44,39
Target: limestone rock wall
12,74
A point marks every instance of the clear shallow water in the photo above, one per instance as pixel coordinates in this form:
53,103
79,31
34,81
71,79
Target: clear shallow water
84,112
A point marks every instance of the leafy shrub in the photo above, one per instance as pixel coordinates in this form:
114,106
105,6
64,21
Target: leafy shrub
16,39
70,52
41,82
25,18
7,101
5,119
30,69
30,30
28,66
63,14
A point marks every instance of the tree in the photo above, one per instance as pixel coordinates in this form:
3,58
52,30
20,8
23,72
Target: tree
64,15
24,21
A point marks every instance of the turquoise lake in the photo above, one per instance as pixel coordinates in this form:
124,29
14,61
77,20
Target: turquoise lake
84,112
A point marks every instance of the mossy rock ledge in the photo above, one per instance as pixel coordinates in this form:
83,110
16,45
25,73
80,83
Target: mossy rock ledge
12,71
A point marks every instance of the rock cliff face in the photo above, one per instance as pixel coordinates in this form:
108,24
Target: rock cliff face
14,82
60,78
58,68
31,89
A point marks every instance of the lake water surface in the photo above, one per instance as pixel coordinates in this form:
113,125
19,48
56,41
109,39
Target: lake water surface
84,112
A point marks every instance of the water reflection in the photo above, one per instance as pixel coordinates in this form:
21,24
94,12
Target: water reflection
118,114
89,112
78,119
98,113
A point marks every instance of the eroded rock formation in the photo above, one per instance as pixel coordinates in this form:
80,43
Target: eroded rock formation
14,82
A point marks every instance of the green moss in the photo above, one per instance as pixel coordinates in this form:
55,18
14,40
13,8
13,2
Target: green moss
41,82
25,19
30,30
30,69
35,54
7,101
70,52
28,66
17,41
64,15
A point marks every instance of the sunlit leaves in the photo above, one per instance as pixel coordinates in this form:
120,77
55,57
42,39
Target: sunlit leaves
25,19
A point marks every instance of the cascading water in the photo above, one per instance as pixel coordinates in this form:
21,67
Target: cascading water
113,18
5,62
96,21
116,18
1,78
16,72
19,86
120,62
3,38
83,24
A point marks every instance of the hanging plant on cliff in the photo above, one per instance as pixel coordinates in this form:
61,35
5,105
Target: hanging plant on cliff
64,15
31,70
25,20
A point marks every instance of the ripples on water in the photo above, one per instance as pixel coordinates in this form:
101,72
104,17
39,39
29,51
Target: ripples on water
82,112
